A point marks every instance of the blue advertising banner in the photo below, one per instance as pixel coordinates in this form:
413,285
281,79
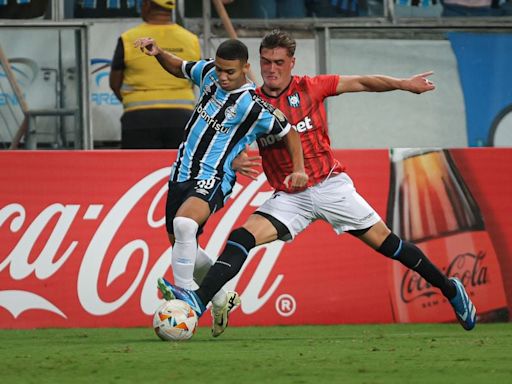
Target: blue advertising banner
484,62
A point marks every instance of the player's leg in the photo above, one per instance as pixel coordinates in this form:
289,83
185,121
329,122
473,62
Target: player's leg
188,206
192,214
380,238
230,262
257,230
283,216
347,211
280,217
204,262
222,302
176,195
262,227
202,198
341,205
222,299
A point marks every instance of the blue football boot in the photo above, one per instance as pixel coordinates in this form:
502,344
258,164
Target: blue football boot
172,292
463,306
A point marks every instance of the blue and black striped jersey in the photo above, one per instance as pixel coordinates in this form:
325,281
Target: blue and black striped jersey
222,124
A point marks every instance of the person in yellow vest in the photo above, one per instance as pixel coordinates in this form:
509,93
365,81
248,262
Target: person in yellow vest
156,106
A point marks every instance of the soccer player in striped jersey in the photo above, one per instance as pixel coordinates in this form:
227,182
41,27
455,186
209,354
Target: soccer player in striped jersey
228,116
329,194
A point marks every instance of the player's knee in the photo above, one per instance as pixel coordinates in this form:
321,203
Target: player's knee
243,239
391,246
184,228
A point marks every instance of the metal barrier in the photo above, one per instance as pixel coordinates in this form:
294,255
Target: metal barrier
60,139
69,40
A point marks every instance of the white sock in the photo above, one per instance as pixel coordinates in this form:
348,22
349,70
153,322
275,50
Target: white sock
184,251
203,264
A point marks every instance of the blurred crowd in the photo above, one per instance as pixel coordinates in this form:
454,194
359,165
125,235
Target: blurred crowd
259,9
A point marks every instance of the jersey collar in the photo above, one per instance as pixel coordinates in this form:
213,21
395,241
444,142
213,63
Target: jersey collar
283,91
246,87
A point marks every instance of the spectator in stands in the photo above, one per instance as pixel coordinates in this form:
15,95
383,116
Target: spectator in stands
271,9
473,8
107,8
237,9
336,8
156,106
506,7
23,9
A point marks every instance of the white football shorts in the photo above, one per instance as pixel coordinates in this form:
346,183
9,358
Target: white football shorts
334,200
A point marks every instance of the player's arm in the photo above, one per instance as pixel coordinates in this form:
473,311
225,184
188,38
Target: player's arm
298,178
380,83
167,60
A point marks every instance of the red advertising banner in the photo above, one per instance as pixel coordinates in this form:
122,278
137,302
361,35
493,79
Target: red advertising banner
83,240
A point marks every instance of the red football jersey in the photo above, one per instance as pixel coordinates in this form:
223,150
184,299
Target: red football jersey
303,105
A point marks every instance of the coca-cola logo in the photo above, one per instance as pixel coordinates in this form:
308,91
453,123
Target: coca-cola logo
467,267
43,243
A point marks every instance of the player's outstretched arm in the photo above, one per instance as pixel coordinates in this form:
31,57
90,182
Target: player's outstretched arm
380,83
298,178
167,60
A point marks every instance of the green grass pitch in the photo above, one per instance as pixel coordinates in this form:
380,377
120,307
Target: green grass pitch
399,353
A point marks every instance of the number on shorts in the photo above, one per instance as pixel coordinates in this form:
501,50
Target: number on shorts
206,184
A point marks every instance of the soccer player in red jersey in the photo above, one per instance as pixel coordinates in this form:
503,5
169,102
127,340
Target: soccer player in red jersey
330,194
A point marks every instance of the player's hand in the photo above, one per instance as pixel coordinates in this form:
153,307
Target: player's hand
147,45
245,164
296,180
420,83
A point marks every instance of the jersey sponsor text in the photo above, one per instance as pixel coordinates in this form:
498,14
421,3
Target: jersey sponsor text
210,120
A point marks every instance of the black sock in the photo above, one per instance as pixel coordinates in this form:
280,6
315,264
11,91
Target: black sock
229,263
413,258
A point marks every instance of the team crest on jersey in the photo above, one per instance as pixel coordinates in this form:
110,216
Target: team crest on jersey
294,100
230,112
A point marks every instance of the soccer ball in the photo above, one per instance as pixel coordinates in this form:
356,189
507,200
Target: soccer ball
175,320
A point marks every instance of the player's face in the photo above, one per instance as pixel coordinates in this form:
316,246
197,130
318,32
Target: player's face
276,68
231,73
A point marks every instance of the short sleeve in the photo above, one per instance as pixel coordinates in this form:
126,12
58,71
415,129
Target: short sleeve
273,122
280,125
197,70
118,59
324,85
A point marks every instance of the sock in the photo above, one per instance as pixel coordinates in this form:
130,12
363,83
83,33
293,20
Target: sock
184,251
229,263
413,258
201,268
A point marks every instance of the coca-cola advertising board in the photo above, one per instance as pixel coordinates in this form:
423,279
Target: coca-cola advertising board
83,241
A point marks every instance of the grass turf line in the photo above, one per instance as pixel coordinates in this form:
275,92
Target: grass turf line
398,353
